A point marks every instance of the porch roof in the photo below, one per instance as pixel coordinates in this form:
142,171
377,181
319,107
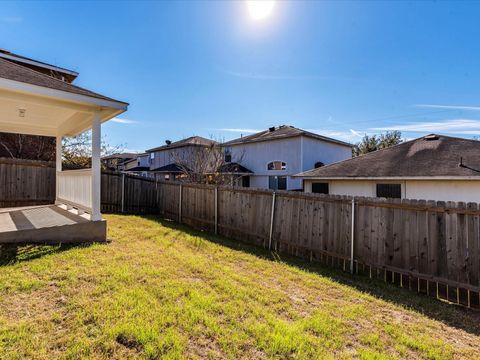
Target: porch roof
35,103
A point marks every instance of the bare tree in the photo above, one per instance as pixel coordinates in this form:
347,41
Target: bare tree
77,151
203,164
30,147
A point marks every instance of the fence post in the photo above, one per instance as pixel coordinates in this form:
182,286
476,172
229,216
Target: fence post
352,235
180,205
272,217
123,193
216,210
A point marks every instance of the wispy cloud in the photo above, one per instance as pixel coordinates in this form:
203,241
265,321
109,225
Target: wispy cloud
350,135
258,76
11,19
235,130
123,121
453,126
448,107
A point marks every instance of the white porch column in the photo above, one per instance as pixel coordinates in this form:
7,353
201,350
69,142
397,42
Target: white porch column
58,163
96,168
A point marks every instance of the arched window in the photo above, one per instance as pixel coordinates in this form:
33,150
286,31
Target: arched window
276,165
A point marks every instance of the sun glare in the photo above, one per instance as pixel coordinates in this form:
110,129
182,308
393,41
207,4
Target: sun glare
260,9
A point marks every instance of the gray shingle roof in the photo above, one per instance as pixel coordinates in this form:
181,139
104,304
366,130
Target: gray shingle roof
15,72
191,141
170,168
234,168
281,132
429,156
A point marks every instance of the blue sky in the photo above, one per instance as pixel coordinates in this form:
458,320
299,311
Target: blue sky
341,69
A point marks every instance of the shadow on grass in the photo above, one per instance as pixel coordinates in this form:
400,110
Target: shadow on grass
450,314
12,253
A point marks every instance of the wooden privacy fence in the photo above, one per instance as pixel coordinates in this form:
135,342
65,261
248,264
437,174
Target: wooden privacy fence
26,182
426,246
130,194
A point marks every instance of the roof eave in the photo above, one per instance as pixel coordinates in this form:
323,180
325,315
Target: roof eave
306,177
19,86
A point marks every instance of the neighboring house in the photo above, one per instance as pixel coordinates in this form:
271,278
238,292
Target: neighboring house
433,167
116,162
273,156
167,161
140,165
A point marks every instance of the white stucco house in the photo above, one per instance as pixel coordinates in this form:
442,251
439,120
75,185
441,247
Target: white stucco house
270,158
433,167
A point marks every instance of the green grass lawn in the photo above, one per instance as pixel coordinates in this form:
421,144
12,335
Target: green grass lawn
162,290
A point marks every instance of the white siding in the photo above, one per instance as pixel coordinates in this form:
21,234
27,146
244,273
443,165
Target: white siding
440,190
168,156
327,152
299,153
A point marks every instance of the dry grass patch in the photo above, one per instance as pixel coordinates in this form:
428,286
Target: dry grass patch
160,290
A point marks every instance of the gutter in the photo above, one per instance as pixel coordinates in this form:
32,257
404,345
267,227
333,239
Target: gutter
467,178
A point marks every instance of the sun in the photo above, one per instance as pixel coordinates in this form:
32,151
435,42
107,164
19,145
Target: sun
260,9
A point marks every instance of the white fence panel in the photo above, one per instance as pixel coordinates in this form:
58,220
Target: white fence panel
74,187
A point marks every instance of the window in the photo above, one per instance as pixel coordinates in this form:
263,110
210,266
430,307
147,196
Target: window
228,155
277,182
277,165
319,164
246,181
320,188
389,191
152,156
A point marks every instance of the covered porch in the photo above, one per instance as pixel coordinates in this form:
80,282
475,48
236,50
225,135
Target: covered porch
51,107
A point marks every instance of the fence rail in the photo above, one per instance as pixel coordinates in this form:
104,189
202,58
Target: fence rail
74,187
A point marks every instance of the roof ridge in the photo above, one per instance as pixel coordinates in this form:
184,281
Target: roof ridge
371,153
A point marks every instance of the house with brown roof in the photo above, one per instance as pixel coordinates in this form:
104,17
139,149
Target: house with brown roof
274,155
433,167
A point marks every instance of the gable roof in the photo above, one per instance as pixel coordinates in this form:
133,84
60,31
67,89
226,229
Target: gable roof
429,156
191,141
12,71
282,132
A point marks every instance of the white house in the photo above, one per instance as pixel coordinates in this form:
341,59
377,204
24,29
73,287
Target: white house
139,165
116,162
433,167
165,160
273,156
39,99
